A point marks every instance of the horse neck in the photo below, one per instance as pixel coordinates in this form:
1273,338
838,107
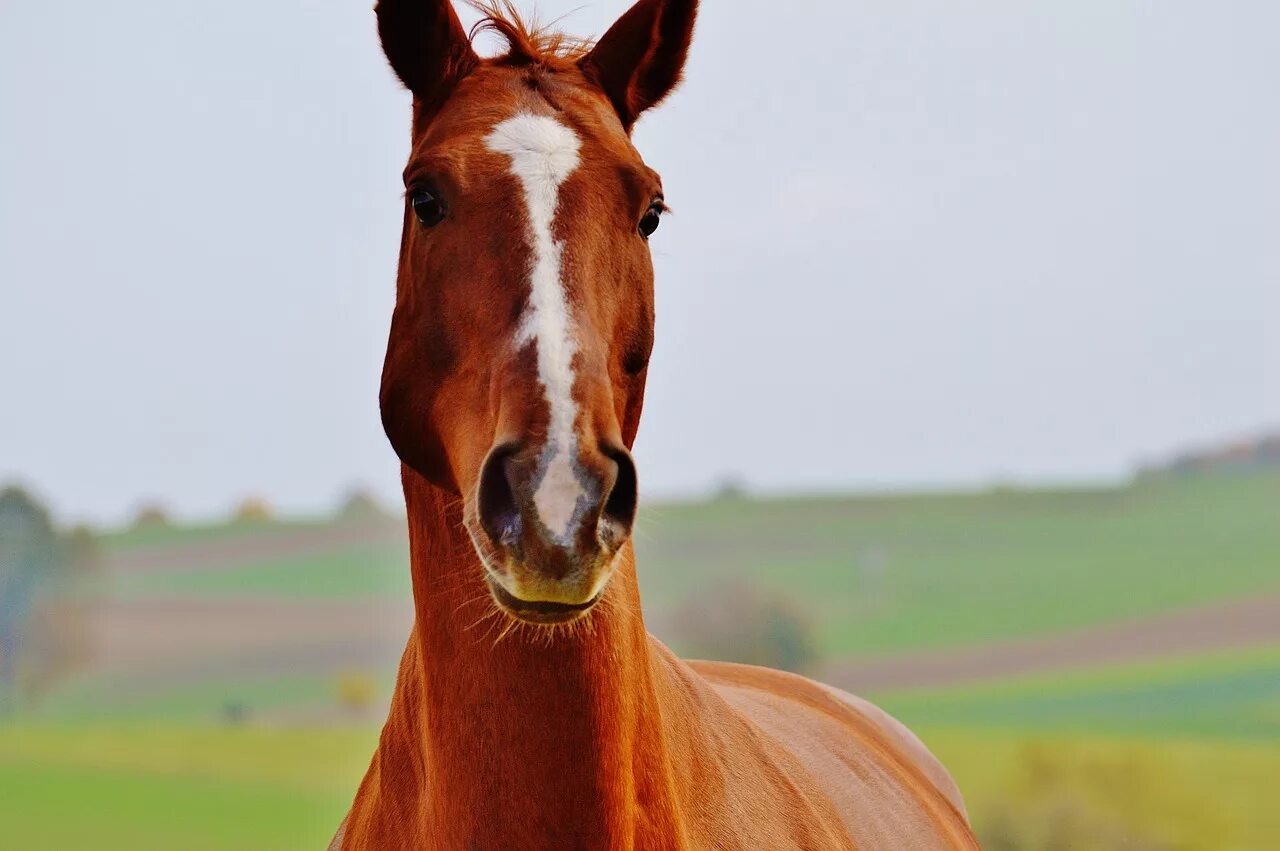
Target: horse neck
522,730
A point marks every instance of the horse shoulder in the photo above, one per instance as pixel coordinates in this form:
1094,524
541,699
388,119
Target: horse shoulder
907,743
876,768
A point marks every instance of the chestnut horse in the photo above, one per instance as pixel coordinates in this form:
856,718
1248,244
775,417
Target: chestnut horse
532,710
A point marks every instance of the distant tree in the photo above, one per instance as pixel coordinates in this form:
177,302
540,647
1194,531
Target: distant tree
61,641
152,515
361,506
253,510
730,488
357,691
1236,457
1269,451
737,621
43,615
28,553
234,713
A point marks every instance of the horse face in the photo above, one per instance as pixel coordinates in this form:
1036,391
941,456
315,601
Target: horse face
523,325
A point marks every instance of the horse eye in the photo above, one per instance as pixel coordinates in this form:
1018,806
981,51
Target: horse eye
652,218
428,207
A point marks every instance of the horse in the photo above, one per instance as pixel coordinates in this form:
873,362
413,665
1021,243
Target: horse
532,709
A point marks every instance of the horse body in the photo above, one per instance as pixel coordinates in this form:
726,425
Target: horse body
609,741
532,710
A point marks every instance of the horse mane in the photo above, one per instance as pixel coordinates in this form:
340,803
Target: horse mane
529,42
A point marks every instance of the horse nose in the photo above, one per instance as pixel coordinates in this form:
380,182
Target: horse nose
560,515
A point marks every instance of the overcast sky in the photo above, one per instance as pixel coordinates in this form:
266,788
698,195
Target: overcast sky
915,242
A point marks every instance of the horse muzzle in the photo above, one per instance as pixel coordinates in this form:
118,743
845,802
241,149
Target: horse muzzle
548,522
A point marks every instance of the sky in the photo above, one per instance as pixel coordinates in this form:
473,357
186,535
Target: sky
915,243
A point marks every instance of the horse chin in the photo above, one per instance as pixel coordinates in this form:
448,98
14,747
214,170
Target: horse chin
526,592
541,612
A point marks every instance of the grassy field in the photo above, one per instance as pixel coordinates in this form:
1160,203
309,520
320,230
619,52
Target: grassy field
373,569
875,573
1099,793
204,701
1232,695
1180,754
1177,754
162,787
975,568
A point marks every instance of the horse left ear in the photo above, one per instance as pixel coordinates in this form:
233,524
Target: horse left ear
641,58
426,45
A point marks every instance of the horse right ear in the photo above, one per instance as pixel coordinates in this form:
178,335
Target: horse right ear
426,45
641,58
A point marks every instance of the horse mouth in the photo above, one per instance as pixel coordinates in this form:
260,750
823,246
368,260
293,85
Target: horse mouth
539,611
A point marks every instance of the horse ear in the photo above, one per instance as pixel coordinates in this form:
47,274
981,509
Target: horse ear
426,45
641,58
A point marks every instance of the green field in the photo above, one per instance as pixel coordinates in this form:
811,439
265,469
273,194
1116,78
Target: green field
163,787
152,535
96,699
1178,754
971,568
377,569
952,568
1099,793
1233,695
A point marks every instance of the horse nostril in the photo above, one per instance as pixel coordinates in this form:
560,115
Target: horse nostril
502,500
499,514
620,507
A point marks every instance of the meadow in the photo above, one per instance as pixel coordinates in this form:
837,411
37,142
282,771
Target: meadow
163,786
1165,750
876,573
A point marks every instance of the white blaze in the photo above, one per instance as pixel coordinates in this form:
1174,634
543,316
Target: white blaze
543,154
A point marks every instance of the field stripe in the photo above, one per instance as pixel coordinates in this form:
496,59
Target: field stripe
1222,626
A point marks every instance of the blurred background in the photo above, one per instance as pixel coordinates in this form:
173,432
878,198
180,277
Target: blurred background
966,399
